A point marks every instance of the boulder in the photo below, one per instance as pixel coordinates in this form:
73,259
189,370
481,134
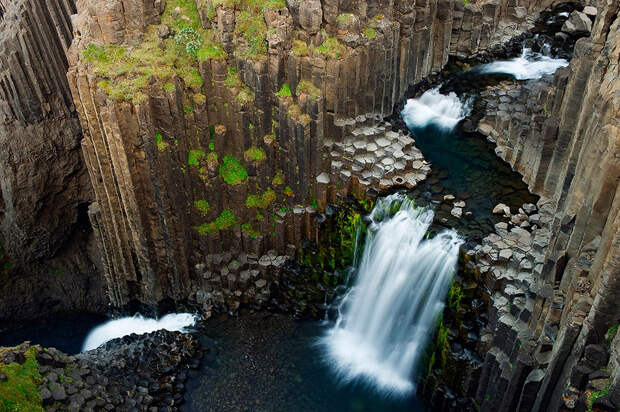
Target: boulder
577,23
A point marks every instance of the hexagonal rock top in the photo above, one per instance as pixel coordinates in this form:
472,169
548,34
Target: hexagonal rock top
377,157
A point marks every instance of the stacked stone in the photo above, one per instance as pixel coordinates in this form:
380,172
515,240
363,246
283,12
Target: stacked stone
228,281
136,372
375,157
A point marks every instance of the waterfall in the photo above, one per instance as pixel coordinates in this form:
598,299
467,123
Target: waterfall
530,65
138,324
436,108
387,317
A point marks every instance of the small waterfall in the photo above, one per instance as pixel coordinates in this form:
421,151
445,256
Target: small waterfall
138,324
436,108
387,317
530,65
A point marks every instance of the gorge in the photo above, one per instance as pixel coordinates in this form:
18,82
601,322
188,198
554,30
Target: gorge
328,204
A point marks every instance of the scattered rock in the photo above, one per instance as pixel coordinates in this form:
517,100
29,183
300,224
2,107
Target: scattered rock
501,208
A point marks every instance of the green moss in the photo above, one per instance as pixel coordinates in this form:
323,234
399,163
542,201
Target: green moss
261,201
331,48
20,392
288,191
611,333
300,48
278,179
232,171
189,109
226,220
345,19
232,78
255,154
593,396
454,296
202,206
206,228
285,91
194,157
294,112
169,87
162,145
306,87
247,228
370,33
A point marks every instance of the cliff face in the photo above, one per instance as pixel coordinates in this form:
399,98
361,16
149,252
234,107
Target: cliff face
45,187
214,127
554,314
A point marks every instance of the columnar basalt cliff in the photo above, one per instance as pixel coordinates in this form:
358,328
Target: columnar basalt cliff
219,126
551,341
45,187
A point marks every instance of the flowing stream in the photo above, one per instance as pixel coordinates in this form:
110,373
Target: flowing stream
389,314
530,65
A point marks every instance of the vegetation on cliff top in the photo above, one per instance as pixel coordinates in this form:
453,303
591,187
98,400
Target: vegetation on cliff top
129,70
20,391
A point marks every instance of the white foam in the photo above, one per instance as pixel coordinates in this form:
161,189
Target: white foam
434,108
387,318
137,324
529,65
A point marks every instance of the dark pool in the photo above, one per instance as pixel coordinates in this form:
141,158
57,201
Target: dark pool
466,166
268,362
65,332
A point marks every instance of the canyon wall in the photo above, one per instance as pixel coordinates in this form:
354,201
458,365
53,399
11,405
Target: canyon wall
45,189
219,131
551,343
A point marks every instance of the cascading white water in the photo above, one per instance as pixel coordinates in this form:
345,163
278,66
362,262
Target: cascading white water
434,107
388,316
138,324
530,65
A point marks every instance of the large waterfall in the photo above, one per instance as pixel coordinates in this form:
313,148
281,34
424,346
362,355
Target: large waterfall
387,317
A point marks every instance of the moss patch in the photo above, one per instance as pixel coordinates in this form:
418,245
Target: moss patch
285,91
232,171
202,206
194,157
255,154
261,201
20,392
306,87
331,48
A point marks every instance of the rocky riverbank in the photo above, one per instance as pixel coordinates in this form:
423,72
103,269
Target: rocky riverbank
133,373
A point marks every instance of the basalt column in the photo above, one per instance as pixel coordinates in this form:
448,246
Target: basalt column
45,194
